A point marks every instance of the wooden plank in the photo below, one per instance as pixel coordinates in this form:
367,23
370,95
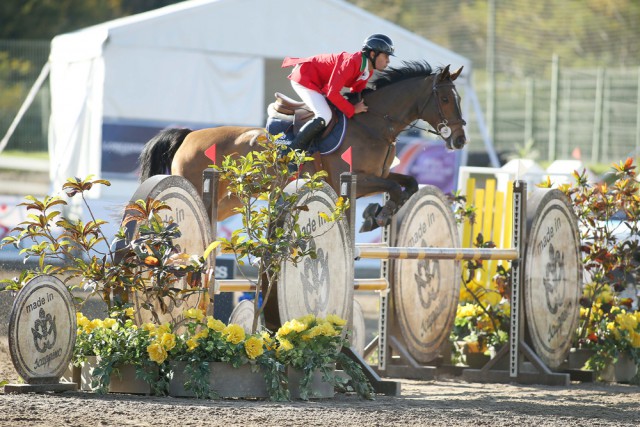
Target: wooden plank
466,230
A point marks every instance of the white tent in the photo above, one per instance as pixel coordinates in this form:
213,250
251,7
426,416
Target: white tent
197,63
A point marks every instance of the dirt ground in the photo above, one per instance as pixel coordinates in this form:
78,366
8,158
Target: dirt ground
444,402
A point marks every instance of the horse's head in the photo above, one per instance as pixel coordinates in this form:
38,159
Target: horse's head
444,112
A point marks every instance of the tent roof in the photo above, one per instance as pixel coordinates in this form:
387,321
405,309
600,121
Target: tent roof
269,29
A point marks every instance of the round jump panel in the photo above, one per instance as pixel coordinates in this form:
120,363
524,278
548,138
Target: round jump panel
242,315
323,285
552,275
42,330
426,292
188,211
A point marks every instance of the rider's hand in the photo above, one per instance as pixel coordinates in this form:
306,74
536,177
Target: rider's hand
360,107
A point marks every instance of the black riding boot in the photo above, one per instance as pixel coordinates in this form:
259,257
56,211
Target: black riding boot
307,133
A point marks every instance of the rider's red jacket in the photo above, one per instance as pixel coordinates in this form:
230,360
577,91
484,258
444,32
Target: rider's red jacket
329,73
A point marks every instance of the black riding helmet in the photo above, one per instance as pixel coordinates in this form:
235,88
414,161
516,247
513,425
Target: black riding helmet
379,43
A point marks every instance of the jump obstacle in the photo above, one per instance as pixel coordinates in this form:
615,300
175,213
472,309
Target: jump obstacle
420,279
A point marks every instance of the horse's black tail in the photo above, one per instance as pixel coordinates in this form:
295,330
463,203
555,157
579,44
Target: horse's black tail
157,154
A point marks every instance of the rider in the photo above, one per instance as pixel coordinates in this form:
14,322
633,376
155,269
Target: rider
321,76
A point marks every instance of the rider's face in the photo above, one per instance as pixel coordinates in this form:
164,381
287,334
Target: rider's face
382,61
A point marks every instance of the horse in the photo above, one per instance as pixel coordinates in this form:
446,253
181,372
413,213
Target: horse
401,96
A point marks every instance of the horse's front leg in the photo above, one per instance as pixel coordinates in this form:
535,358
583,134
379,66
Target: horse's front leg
408,182
375,215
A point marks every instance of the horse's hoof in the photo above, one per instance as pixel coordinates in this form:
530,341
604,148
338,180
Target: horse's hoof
383,221
369,224
371,211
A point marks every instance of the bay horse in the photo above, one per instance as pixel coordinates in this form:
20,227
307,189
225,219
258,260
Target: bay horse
402,95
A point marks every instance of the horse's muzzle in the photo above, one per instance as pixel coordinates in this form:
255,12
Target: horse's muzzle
456,143
459,142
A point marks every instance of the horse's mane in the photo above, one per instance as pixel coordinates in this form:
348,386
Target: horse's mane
408,70
391,75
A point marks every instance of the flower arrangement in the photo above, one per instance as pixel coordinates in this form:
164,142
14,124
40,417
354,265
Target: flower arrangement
609,259
205,340
483,313
80,254
307,344
612,329
480,327
271,235
311,344
116,341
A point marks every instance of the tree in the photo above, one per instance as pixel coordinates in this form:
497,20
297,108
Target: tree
37,19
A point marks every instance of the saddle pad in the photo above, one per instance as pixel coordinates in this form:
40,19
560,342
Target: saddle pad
327,145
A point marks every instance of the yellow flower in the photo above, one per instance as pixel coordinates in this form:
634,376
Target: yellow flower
215,324
110,323
325,329
194,313
284,330
95,323
336,320
285,344
156,352
627,321
149,327
298,326
291,326
268,341
168,341
635,339
308,319
129,312
233,333
163,329
202,334
81,320
254,347
192,343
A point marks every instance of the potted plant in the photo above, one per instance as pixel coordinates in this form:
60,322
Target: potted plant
209,359
81,255
483,314
310,347
614,340
270,235
607,213
112,355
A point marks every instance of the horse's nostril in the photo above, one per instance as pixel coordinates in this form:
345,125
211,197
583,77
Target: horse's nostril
459,142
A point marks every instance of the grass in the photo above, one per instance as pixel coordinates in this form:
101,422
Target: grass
40,155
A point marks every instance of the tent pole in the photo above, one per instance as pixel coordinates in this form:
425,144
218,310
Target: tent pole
488,143
44,73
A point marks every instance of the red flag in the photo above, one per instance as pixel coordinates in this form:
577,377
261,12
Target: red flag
346,156
211,153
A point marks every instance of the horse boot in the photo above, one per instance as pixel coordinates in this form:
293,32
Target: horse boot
307,133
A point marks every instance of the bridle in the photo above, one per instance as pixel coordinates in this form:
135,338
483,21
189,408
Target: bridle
442,129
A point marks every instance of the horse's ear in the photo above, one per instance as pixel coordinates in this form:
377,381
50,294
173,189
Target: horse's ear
456,73
444,74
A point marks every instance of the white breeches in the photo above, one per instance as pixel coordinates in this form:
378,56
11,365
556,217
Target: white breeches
314,100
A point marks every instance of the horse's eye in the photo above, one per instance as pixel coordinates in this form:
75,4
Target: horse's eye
445,99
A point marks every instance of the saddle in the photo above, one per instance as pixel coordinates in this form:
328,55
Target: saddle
298,112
